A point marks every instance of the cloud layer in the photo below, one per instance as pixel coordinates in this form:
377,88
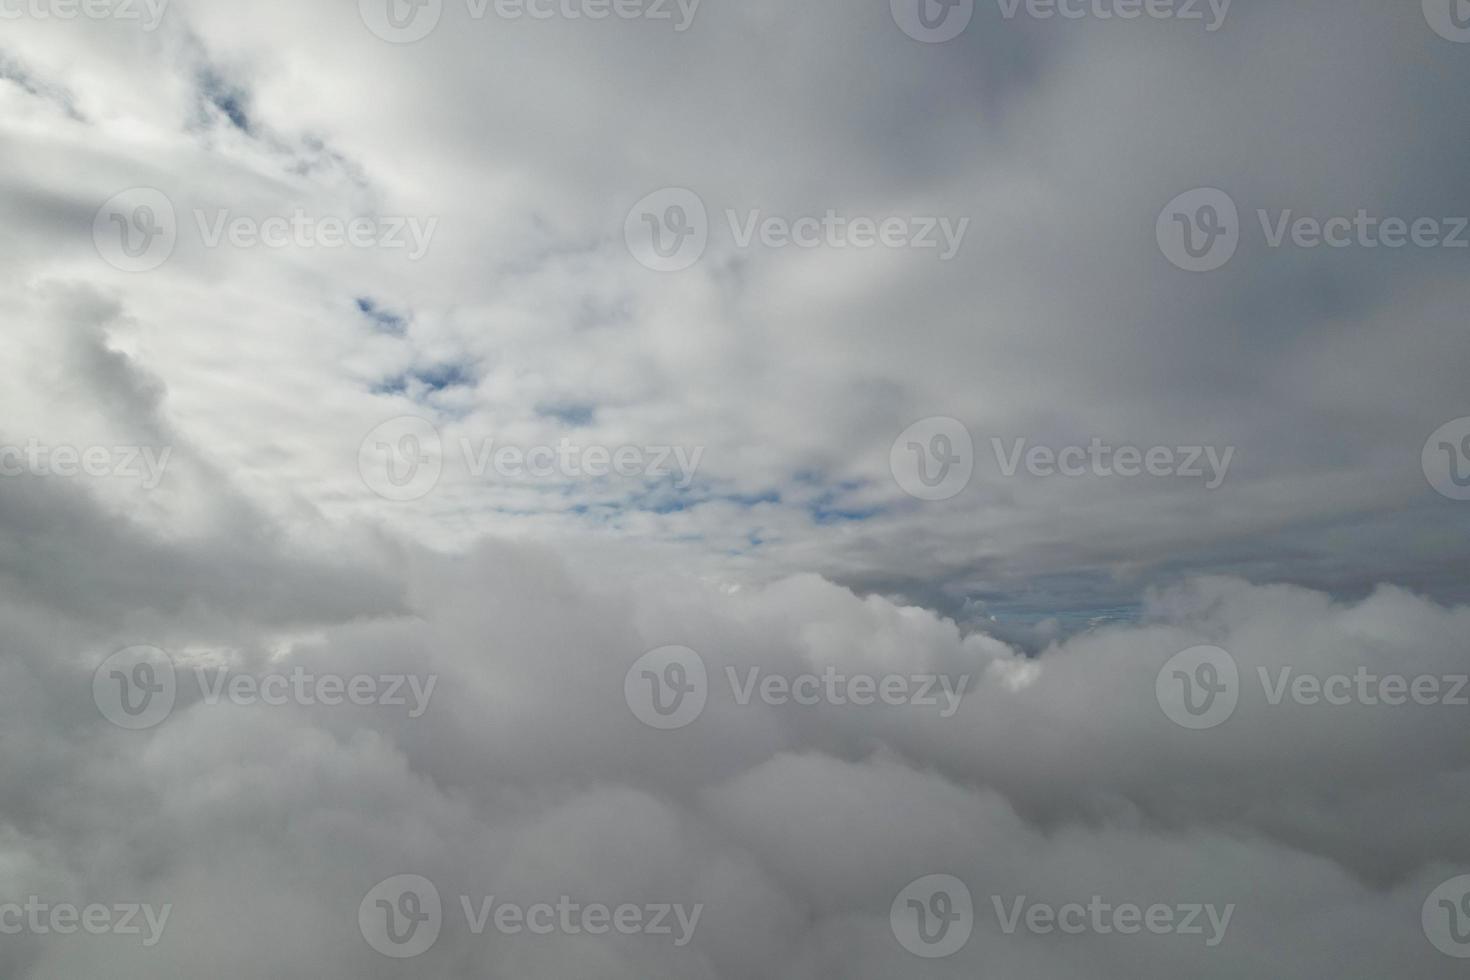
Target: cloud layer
246,242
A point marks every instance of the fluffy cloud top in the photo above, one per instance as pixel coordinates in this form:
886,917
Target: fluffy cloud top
1027,630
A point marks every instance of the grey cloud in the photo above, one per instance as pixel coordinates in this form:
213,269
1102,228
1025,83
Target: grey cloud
265,548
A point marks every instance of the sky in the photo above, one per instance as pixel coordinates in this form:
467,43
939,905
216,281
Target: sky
596,381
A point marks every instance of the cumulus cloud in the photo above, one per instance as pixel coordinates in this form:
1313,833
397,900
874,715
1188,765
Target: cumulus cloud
297,663
791,827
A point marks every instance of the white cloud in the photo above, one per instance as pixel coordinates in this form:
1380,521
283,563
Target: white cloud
794,551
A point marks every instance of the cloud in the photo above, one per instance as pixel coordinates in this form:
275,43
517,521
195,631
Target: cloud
1059,321
793,555
792,827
